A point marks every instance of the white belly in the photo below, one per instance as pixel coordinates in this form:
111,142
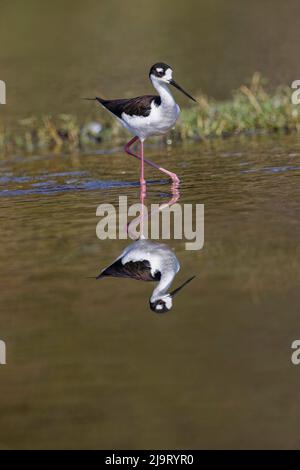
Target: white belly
160,120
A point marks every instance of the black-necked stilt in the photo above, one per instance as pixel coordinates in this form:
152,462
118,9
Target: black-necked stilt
148,115
145,260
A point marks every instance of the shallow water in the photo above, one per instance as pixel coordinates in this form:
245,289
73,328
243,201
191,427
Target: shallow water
89,364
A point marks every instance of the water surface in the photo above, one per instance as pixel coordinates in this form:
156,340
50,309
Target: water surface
89,364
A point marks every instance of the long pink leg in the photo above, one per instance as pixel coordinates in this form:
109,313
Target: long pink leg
175,196
173,176
142,179
142,201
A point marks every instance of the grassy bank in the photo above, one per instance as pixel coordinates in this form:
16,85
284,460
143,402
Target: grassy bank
250,110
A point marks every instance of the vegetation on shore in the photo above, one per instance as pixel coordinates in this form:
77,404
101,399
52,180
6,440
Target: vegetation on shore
250,110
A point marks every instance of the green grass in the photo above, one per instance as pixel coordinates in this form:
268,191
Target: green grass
250,110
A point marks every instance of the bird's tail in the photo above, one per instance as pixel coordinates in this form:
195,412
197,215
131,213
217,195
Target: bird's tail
97,98
96,277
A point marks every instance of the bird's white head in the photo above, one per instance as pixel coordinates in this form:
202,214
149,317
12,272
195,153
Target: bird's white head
164,302
161,73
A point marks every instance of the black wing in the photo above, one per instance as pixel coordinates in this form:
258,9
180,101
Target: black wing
139,270
140,106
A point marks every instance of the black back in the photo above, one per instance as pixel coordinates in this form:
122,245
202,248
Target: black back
139,106
139,270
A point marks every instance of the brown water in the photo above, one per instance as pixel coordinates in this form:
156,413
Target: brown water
55,52
90,366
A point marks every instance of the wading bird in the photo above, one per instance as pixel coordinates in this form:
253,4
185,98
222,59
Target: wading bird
148,115
145,260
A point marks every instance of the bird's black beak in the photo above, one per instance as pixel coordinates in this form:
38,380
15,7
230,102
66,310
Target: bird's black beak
182,285
172,82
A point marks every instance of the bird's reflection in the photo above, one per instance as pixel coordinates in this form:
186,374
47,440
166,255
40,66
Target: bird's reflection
146,260
175,195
